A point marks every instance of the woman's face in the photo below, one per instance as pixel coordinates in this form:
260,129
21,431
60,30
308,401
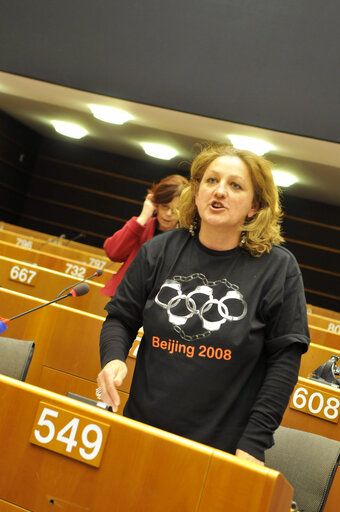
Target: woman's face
225,197
166,215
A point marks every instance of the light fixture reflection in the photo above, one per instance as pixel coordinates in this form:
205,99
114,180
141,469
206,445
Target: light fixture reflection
284,179
159,150
69,129
257,146
110,114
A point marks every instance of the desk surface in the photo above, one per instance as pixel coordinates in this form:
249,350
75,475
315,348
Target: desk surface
140,465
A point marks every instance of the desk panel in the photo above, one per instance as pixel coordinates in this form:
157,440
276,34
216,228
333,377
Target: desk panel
330,324
54,262
51,246
315,356
311,423
323,337
46,236
140,467
66,340
47,284
323,311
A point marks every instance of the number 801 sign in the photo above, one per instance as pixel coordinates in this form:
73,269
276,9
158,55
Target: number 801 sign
72,435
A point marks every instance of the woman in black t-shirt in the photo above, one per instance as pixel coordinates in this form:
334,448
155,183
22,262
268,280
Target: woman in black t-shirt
223,310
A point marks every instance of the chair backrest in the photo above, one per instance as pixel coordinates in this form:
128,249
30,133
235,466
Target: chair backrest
309,463
15,357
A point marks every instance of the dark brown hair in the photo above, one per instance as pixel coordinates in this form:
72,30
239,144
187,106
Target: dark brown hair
168,188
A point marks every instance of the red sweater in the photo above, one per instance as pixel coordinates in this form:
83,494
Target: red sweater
123,246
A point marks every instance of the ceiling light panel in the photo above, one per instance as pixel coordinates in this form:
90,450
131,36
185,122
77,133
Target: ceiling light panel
110,114
284,179
69,129
257,146
159,150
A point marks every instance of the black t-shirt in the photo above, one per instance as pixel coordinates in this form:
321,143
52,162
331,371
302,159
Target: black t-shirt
223,336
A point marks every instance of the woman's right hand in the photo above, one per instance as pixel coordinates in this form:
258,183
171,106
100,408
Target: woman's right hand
111,376
148,210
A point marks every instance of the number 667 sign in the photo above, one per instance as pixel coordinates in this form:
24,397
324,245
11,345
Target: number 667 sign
72,435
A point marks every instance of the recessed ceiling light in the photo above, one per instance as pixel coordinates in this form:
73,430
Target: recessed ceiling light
159,150
284,179
257,146
69,129
110,114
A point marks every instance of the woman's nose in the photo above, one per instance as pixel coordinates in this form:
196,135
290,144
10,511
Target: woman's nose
221,189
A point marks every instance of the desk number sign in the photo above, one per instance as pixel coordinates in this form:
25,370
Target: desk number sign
64,432
317,403
23,275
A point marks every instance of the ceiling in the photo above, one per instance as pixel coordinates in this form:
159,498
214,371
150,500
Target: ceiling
34,103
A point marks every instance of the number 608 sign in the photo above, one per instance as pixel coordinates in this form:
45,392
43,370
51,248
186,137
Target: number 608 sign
72,435
317,403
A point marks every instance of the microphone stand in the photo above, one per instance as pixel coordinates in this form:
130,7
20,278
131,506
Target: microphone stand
77,291
38,307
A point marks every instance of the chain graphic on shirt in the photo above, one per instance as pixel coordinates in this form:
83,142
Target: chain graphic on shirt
212,313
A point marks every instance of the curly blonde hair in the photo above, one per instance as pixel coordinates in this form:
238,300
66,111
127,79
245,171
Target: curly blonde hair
262,230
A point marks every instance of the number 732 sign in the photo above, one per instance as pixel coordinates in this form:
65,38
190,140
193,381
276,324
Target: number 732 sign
75,436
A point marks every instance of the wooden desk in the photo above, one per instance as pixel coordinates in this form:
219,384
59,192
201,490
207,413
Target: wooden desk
314,357
45,236
323,311
330,324
321,336
141,468
315,398
47,284
66,356
307,420
59,263
81,256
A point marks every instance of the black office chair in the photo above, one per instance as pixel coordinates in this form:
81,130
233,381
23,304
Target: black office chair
309,463
15,357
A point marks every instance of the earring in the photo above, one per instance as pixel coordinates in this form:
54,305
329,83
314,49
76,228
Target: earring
194,225
243,238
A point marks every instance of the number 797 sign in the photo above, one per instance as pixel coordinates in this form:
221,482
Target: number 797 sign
72,435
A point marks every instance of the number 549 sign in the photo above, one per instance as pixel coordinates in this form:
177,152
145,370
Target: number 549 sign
72,435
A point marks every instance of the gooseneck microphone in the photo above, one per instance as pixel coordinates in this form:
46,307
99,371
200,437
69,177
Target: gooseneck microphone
80,235
78,290
53,240
96,274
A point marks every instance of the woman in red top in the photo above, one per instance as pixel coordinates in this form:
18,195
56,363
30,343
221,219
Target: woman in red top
159,214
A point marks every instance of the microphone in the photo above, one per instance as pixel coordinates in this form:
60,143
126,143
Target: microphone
97,273
77,291
80,235
54,239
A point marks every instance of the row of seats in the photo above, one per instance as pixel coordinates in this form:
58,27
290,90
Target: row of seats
81,256
25,235
66,334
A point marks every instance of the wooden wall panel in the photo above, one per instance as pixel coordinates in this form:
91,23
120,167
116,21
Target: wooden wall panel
18,149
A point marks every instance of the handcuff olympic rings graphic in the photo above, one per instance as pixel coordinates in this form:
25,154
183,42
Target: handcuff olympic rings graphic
192,308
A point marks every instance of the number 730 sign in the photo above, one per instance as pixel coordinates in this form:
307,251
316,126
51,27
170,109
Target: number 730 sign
72,435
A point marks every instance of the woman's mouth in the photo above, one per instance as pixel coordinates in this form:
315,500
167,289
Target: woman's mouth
216,205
